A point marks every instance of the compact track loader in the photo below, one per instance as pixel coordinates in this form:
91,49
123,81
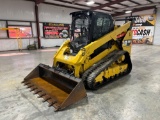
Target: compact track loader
97,52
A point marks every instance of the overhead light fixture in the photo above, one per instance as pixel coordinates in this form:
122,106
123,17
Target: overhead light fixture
90,2
129,11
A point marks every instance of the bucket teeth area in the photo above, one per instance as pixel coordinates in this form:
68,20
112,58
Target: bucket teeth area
51,102
33,88
58,89
30,85
46,97
37,91
23,81
42,94
56,106
26,83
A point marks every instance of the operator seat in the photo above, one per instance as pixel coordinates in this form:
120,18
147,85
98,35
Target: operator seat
80,41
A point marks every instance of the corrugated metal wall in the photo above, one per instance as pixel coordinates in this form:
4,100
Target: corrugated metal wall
24,10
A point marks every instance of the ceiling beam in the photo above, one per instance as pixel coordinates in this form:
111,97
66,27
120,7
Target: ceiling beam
63,5
63,1
123,5
134,10
107,4
118,3
81,5
136,7
150,1
75,1
135,2
39,1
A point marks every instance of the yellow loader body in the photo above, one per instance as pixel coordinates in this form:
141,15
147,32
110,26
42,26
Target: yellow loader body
77,65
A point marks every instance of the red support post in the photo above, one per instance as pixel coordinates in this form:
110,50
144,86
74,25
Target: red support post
37,25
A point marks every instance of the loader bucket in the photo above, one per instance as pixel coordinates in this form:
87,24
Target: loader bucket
58,89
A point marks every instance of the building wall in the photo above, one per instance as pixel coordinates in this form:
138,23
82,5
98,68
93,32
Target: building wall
17,10
50,13
14,10
157,29
24,11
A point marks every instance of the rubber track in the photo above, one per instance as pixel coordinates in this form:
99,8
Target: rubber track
94,71
88,71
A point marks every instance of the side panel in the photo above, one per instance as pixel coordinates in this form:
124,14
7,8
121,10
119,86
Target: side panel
89,63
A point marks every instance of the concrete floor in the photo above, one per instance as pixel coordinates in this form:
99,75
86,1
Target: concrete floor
134,97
